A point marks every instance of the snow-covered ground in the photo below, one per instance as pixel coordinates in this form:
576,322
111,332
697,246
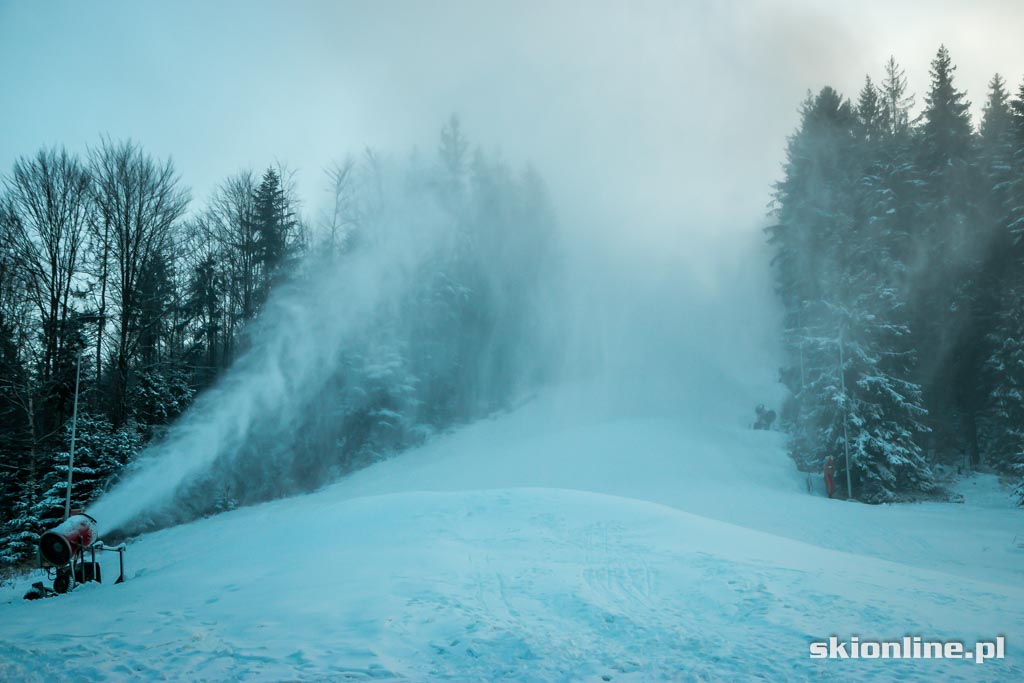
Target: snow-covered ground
547,545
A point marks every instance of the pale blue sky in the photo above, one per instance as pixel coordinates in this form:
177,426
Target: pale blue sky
676,110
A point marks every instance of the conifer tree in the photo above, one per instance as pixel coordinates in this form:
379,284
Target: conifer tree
275,226
1004,424
813,209
896,101
951,244
842,234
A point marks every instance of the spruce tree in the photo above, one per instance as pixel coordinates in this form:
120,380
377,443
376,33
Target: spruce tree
1004,423
275,227
951,245
871,112
813,210
101,451
840,243
885,404
20,529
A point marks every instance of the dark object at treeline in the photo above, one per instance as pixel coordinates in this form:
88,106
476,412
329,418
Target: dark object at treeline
765,418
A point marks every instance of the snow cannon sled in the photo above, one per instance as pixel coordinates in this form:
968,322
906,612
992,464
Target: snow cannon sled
62,552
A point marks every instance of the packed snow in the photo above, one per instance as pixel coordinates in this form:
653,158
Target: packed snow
548,544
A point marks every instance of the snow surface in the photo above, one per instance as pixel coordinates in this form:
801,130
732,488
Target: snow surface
546,545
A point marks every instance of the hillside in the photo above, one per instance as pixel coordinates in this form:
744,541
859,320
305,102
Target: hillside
548,544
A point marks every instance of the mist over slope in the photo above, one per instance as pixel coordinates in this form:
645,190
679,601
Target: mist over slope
428,305
374,330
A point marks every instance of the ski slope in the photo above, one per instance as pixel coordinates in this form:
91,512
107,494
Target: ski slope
550,544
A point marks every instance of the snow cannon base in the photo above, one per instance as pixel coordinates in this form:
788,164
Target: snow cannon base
62,552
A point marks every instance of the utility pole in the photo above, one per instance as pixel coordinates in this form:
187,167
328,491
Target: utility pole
74,425
846,417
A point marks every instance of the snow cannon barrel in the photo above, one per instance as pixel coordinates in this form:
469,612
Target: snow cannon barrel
66,540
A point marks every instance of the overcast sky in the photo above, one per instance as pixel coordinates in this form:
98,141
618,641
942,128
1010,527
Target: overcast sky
676,112
659,126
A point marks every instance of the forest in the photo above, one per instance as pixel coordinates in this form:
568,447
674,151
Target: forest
896,239
898,256
113,279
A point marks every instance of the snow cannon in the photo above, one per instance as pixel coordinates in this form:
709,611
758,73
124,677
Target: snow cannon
62,554
66,541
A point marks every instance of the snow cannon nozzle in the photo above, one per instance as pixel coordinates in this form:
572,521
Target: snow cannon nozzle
68,539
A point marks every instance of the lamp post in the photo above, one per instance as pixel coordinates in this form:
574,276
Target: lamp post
846,417
84,318
74,425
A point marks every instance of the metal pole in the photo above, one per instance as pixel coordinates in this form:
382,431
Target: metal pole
803,333
74,425
846,418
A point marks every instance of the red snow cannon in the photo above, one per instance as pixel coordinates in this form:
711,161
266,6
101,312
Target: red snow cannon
62,553
66,541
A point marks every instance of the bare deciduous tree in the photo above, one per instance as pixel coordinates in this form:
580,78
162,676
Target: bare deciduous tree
47,211
140,200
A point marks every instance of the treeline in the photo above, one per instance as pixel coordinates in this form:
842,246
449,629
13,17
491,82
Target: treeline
106,266
900,265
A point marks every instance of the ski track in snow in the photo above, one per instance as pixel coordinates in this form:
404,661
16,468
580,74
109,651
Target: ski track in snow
421,568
